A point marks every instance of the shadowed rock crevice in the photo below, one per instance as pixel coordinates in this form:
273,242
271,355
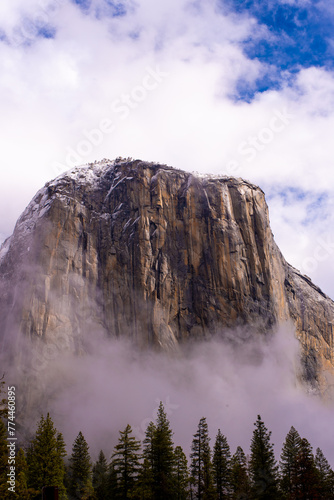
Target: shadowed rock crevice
129,248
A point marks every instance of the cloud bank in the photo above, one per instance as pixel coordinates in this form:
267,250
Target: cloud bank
75,88
229,380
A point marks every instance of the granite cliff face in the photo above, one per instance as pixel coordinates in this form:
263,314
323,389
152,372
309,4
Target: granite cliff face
129,248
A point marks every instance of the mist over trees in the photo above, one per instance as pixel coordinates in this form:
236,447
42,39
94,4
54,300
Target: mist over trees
157,469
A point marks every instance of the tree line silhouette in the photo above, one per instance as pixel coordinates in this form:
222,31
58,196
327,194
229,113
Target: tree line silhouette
156,469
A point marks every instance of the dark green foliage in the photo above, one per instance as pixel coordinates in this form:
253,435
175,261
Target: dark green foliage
112,483
161,473
21,487
3,442
240,484
221,463
100,477
45,458
263,468
21,490
156,478
80,470
307,479
325,475
125,462
201,467
181,475
163,457
3,399
149,444
288,463
61,449
3,460
144,489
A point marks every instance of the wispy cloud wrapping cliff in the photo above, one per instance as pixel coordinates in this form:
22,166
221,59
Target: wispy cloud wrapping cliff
228,381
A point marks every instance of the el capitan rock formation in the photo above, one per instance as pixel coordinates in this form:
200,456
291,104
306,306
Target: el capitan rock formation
157,254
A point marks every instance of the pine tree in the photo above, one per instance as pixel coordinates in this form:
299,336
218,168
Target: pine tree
181,475
45,459
240,483
100,477
3,442
221,463
263,464
144,489
326,476
21,490
3,400
148,444
112,485
307,479
288,463
3,461
80,470
156,477
163,457
201,467
61,449
126,462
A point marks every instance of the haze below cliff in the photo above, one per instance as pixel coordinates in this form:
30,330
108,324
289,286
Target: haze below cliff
228,382
140,250
114,263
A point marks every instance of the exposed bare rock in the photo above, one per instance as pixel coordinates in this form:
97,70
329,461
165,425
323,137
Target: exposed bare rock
129,248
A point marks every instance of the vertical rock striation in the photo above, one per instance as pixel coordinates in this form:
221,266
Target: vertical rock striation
130,248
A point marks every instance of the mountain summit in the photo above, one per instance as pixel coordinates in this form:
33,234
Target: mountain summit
142,250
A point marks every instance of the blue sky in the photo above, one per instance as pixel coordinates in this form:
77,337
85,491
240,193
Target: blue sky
107,9
293,35
298,35
227,87
240,88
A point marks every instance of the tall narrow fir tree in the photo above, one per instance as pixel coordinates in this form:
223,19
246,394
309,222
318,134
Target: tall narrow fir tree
125,461
80,470
263,468
45,458
222,467
201,466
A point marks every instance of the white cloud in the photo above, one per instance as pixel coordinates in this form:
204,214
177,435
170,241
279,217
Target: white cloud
54,91
227,382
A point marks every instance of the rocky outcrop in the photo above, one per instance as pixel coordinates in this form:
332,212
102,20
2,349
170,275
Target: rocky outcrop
128,248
